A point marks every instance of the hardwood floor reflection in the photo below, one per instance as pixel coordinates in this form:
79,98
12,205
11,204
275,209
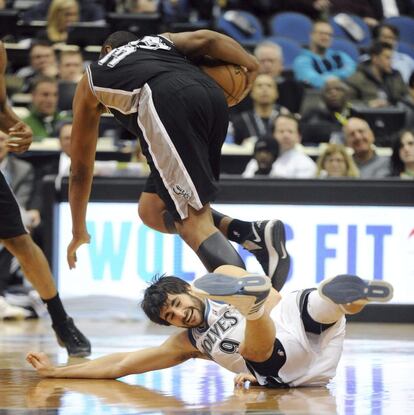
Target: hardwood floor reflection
374,377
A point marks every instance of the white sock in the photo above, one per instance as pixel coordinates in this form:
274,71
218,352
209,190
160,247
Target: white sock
256,315
323,311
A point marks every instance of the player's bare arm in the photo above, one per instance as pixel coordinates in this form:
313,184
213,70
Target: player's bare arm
86,113
175,350
216,46
20,133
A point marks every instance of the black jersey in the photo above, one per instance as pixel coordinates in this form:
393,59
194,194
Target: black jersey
117,78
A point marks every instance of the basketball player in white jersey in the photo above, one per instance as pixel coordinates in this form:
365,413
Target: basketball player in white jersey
243,324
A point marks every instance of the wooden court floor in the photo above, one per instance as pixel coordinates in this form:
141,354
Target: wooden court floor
375,376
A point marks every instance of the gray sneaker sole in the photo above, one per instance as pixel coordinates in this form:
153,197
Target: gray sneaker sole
344,289
225,285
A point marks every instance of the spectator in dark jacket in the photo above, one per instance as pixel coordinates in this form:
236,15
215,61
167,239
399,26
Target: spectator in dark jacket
259,121
375,83
325,123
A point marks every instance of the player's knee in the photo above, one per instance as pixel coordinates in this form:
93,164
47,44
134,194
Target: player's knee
19,245
255,354
148,216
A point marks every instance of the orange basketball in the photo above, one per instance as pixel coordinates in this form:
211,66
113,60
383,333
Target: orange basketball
231,78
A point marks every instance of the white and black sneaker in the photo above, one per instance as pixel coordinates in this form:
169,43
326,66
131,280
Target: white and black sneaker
345,289
267,243
247,293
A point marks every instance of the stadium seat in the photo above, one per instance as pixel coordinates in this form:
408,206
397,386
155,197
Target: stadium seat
406,48
405,25
290,49
350,19
292,25
346,46
241,26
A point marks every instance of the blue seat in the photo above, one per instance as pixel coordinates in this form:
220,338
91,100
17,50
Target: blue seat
346,46
241,26
291,25
405,25
339,31
406,48
290,49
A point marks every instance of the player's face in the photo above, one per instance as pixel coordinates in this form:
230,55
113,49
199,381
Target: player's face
183,310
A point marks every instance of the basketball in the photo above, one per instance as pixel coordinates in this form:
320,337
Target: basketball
232,80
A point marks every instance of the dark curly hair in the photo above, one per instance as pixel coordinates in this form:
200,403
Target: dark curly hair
156,295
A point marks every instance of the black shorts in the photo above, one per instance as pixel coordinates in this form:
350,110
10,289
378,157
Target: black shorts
11,224
184,124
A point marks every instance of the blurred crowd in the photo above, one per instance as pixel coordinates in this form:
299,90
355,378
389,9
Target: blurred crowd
334,97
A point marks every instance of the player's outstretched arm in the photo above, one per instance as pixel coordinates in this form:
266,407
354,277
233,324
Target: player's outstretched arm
175,350
86,114
217,46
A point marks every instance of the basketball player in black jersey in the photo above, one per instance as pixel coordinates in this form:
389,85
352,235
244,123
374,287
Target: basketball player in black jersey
15,238
180,115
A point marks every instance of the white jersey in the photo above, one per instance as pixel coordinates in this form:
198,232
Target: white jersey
221,336
310,359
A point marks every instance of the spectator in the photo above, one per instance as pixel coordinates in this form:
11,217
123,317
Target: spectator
142,6
401,62
61,14
259,121
90,11
71,66
43,115
319,63
335,162
359,8
360,137
325,123
265,154
402,159
375,83
411,87
42,62
388,8
270,57
292,161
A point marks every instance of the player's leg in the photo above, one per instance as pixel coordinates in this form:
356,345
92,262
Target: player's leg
335,297
36,269
153,213
251,294
34,265
210,245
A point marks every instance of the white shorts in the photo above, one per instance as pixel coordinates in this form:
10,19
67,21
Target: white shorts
311,359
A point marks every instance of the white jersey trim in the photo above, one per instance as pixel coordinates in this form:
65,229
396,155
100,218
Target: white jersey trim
168,162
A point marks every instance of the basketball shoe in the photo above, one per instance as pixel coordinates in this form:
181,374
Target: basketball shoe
267,243
345,289
69,336
247,293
